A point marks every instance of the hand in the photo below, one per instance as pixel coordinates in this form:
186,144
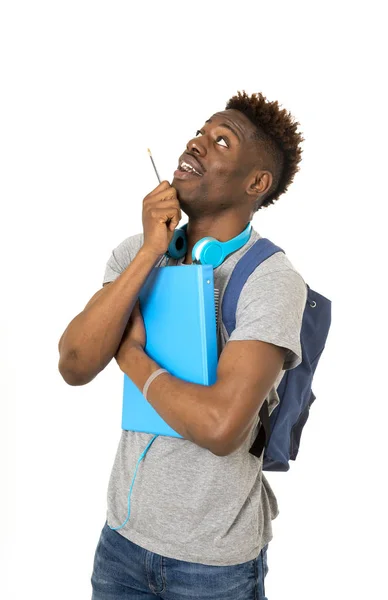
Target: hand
134,335
161,215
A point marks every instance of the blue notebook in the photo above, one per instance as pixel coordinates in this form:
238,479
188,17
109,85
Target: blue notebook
179,312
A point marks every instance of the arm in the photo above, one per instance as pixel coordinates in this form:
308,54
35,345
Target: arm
91,339
217,417
266,340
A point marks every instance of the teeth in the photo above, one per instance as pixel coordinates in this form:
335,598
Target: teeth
186,167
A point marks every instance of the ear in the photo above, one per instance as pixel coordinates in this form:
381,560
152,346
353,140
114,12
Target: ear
260,184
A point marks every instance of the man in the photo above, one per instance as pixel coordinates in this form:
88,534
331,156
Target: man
201,509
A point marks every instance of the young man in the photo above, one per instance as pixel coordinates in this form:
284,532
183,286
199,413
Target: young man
201,508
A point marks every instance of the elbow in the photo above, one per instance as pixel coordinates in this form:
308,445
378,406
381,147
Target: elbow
228,442
219,447
72,375
224,448
73,378
217,437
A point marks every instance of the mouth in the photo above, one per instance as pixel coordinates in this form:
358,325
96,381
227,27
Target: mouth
188,167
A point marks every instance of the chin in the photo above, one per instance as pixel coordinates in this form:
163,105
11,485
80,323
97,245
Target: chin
186,196
186,207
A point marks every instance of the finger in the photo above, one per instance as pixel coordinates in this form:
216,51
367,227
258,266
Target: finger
162,186
174,222
162,215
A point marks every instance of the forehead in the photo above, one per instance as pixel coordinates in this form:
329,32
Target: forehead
234,117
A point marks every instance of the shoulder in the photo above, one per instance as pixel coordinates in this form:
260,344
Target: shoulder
131,245
277,264
277,275
126,251
121,256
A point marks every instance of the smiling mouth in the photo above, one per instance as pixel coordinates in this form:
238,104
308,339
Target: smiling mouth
186,168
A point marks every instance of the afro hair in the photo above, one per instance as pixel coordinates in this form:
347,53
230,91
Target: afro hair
277,138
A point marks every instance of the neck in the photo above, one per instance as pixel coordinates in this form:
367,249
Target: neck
221,228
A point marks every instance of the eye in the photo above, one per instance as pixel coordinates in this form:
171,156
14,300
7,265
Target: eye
219,137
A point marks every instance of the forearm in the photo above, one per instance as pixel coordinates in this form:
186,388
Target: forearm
93,337
190,409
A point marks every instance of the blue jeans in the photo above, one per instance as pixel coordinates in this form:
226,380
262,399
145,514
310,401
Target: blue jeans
124,570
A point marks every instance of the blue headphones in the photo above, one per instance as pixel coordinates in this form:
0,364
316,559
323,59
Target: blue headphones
208,250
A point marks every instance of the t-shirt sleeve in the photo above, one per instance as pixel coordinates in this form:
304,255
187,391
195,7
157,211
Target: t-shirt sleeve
122,256
270,309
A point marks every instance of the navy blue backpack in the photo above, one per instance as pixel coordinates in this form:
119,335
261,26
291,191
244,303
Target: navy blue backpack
279,434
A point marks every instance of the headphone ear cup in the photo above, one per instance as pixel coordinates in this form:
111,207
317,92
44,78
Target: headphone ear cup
209,251
177,248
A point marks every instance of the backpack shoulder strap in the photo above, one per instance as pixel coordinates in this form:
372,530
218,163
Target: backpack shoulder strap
258,253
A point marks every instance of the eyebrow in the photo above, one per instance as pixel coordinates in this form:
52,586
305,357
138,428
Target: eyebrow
227,127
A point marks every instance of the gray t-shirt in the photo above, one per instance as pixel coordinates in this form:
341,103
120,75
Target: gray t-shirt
187,503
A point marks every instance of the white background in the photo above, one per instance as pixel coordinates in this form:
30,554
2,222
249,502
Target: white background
86,88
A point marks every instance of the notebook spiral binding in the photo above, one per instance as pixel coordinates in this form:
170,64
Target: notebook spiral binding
217,303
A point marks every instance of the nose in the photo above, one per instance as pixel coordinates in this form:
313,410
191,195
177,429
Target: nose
197,145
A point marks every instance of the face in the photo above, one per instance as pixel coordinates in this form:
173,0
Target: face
219,166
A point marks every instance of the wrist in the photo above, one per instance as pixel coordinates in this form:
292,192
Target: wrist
126,359
139,365
136,347
150,254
